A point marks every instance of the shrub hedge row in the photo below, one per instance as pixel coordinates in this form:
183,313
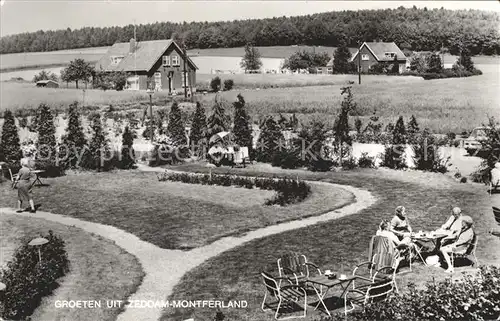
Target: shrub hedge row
28,279
472,298
288,191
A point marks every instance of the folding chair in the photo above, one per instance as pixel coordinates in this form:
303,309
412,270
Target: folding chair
285,296
471,252
13,178
295,266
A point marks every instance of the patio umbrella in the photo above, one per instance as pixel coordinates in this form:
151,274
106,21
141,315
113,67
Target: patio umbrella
218,136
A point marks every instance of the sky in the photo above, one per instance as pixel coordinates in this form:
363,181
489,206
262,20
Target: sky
17,16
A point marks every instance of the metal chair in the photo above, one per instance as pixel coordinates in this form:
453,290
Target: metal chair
471,252
296,266
496,213
284,296
378,291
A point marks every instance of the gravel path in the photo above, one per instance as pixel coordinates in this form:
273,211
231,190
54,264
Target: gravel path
164,268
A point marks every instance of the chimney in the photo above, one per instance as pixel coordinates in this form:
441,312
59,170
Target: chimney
132,45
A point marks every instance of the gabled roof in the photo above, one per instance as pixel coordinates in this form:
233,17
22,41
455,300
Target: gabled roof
146,54
46,81
378,49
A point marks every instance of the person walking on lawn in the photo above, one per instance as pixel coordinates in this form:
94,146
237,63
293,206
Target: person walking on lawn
23,184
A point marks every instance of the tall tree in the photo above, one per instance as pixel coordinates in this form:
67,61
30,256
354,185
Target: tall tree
127,152
98,145
74,142
175,128
341,59
242,129
270,140
198,127
399,133
251,60
10,144
218,121
342,122
78,70
46,143
412,129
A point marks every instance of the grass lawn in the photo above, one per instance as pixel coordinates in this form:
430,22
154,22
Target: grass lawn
99,269
427,197
171,215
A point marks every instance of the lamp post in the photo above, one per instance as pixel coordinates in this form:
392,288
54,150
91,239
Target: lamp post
359,64
38,242
150,93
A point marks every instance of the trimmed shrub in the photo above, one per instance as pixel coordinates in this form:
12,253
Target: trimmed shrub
426,156
394,157
27,280
228,84
366,161
288,191
215,84
470,298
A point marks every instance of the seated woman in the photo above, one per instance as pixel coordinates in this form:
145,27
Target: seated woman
461,244
384,231
399,223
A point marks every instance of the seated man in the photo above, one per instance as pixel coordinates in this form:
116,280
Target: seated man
399,223
462,242
453,224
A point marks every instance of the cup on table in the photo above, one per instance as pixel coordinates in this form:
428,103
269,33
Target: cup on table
343,277
328,272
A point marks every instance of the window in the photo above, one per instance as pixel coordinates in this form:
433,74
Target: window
365,57
157,81
175,60
390,54
115,60
166,61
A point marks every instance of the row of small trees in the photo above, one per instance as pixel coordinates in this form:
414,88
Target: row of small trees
74,150
203,128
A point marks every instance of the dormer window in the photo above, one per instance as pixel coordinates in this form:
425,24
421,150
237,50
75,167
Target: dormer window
365,57
175,60
390,55
115,60
166,61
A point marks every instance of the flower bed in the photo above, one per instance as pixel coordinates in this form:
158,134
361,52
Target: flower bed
288,191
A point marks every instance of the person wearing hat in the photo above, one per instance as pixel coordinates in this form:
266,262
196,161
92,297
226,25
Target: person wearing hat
399,223
461,244
23,185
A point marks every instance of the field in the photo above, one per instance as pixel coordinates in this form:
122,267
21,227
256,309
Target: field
445,105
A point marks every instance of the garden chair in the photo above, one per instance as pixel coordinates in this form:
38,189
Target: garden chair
13,177
284,296
496,213
381,254
470,253
295,266
379,290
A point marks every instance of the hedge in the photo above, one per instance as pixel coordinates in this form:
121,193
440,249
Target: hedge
288,191
470,298
28,280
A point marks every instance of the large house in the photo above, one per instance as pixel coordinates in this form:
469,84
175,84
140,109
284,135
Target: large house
379,52
157,65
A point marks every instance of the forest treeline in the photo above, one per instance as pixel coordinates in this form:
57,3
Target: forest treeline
411,28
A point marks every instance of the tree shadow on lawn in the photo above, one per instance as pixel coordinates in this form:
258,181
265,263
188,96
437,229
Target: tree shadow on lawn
329,244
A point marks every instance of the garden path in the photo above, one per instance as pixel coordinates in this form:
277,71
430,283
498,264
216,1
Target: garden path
164,268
